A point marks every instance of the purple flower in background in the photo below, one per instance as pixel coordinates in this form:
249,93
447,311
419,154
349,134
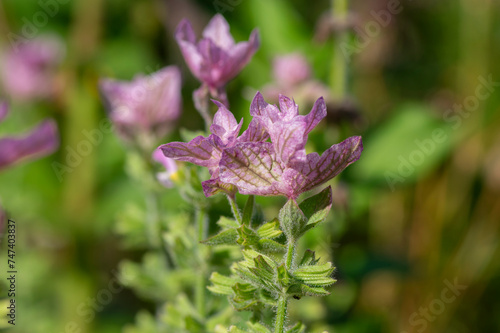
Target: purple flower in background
291,69
41,141
293,77
208,151
165,177
145,109
28,70
216,58
282,167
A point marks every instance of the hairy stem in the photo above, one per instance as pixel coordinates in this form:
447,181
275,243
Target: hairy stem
279,325
290,253
234,209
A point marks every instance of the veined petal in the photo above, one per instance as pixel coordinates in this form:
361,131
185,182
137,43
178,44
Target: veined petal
252,167
288,108
317,114
225,118
218,31
254,133
288,140
303,176
41,141
200,151
265,112
215,185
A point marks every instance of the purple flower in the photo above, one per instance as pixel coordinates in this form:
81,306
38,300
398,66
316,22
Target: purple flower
282,167
145,109
165,177
27,71
293,77
41,141
291,69
208,151
215,59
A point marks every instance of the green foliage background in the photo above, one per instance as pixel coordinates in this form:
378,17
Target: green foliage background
394,246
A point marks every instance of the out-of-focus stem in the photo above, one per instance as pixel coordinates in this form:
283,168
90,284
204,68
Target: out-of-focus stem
200,281
200,99
235,210
339,64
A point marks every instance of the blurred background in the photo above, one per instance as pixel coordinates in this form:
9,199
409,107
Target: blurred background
414,232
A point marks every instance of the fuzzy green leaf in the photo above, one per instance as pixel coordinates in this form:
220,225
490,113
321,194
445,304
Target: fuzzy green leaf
309,258
269,246
247,236
222,285
313,291
226,237
284,278
316,208
227,223
315,275
292,220
270,230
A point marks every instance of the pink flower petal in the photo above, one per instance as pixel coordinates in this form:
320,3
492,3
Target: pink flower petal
41,141
218,31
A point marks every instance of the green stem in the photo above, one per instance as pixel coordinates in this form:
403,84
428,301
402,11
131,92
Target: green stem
200,281
235,210
339,65
289,254
279,325
153,220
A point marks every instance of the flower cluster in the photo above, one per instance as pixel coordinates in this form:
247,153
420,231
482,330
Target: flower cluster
41,141
255,166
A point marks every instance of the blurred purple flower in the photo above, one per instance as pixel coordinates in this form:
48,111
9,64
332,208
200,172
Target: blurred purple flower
207,151
165,177
293,77
282,167
291,69
41,141
145,109
28,71
215,59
